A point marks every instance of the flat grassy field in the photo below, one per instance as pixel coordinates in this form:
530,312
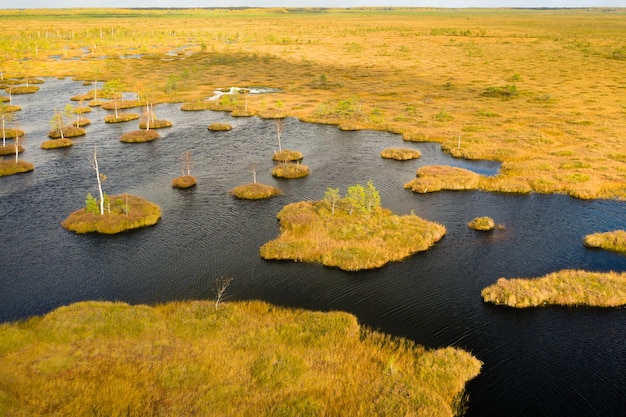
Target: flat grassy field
540,90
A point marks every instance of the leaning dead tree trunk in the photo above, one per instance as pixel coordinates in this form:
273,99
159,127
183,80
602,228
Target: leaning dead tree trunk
100,177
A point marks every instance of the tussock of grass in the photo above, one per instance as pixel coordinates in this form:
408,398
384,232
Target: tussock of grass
22,89
189,358
254,191
287,156
68,132
614,241
482,223
155,124
121,117
126,212
290,170
352,242
56,143
12,133
566,288
219,127
12,167
10,149
137,136
184,181
83,121
438,177
400,154
122,104
12,108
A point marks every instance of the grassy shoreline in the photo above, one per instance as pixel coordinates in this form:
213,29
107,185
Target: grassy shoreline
614,241
564,288
99,357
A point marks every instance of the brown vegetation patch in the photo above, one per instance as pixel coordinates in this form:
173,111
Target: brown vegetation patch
83,121
219,127
126,212
254,191
400,154
121,117
287,156
22,89
11,167
56,143
566,288
141,135
290,170
310,232
12,133
482,223
184,181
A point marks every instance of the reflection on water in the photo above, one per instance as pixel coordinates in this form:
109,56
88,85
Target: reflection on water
548,361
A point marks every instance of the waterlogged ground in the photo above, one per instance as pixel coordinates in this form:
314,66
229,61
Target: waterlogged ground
548,361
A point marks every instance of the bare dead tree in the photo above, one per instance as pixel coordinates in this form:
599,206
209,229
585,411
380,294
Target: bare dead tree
280,126
253,171
220,286
100,177
185,163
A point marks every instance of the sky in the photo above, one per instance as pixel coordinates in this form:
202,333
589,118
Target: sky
27,4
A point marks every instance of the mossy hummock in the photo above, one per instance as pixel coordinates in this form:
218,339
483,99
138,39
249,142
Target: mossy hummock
287,155
56,143
400,154
138,136
126,212
290,170
11,167
254,191
184,181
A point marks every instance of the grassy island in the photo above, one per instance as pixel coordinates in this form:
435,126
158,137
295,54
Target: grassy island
190,358
440,177
83,121
290,170
12,133
23,89
219,127
184,181
287,156
565,288
121,117
123,212
68,132
484,224
137,136
155,124
197,106
254,191
10,149
121,104
614,241
350,233
12,167
400,154
57,143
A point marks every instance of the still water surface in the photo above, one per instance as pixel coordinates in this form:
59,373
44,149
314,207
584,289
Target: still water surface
538,362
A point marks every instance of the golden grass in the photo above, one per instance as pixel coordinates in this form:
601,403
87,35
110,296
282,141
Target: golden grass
400,154
219,127
155,124
352,242
565,288
433,178
11,167
290,170
56,143
10,149
83,121
613,241
254,191
184,181
12,133
122,104
191,359
482,223
287,156
68,132
23,89
427,74
126,212
197,106
121,117
138,136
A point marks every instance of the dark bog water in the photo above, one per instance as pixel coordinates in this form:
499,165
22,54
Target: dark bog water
538,362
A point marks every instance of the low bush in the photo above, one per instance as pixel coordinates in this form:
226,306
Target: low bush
566,288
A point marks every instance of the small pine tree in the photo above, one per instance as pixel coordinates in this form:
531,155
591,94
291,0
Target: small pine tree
91,204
